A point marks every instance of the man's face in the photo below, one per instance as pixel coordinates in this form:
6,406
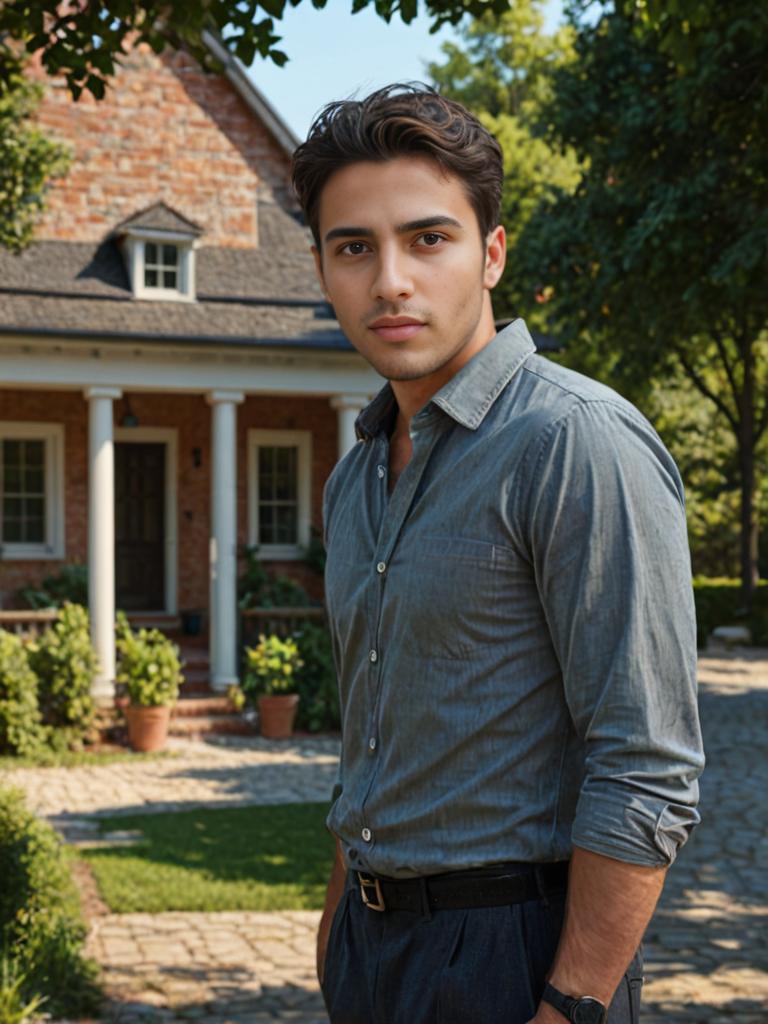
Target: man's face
405,267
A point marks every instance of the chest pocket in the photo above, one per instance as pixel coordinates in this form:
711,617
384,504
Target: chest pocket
443,596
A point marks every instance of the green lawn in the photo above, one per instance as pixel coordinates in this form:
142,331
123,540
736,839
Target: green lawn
243,858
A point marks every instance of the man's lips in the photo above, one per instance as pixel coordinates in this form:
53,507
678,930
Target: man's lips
396,328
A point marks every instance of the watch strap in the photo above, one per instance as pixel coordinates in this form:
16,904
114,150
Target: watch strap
561,1002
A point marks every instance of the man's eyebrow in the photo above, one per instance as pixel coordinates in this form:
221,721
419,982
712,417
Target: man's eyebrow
422,224
345,232
438,221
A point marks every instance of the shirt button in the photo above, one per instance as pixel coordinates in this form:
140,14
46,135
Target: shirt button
381,567
366,834
381,471
373,656
372,743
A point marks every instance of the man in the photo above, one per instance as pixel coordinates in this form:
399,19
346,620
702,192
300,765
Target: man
509,593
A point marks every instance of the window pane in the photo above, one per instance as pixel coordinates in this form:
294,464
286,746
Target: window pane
33,454
34,508
286,525
34,481
12,531
13,508
11,453
150,252
34,531
169,278
150,278
12,479
266,524
170,255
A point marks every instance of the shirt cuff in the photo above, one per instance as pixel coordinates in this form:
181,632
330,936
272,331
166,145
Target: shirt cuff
632,827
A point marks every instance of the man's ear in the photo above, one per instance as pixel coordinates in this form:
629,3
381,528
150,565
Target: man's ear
319,269
495,256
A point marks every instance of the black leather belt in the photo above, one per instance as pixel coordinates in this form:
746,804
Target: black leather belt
477,887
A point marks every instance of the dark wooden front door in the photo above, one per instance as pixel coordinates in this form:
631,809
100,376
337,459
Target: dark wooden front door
140,526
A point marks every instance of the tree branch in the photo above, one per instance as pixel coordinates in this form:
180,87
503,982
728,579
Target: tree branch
704,388
728,369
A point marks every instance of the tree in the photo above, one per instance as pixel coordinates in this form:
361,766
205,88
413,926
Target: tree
503,71
660,256
84,41
28,160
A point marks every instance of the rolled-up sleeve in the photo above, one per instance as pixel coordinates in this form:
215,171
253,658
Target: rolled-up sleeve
608,541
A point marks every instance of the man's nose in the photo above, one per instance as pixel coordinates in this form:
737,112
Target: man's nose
393,280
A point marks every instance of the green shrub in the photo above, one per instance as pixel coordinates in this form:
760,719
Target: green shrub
720,602
271,667
65,663
257,588
148,667
21,728
41,928
69,584
15,1008
316,683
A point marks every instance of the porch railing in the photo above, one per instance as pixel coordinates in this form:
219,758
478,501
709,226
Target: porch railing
280,621
27,622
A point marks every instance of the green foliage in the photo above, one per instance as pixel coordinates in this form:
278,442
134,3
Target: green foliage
65,663
271,667
148,665
503,72
21,728
28,160
316,681
41,930
257,588
85,41
15,1008
69,584
720,602
657,261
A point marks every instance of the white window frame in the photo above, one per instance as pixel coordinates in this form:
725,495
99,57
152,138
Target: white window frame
136,242
53,545
301,439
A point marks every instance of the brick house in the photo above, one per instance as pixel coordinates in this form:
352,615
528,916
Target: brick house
172,384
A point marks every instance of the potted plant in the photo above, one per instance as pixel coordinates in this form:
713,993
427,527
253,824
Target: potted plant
150,671
271,678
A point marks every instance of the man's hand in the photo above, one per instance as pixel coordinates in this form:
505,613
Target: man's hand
332,897
609,905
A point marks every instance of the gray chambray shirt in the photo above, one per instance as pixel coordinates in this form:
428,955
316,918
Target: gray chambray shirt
513,627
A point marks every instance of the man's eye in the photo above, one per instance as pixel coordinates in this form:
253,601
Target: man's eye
355,248
431,239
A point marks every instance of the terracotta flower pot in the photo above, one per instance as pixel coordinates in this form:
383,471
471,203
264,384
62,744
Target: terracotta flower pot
147,727
277,714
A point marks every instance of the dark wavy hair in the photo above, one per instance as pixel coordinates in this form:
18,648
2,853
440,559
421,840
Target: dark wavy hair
402,119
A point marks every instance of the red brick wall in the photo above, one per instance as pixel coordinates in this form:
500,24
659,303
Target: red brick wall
191,416
164,131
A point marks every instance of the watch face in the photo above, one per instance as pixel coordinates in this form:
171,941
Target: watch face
588,1011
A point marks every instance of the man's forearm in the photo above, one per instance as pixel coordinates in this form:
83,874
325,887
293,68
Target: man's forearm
332,897
609,905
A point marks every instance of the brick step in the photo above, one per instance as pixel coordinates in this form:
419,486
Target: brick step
205,725
194,707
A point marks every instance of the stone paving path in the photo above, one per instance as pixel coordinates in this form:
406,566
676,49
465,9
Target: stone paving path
706,948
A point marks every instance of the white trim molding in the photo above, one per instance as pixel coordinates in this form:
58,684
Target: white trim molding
135,256
302,440
169,437
52,434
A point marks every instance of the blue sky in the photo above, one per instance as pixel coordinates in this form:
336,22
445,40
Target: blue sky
334,54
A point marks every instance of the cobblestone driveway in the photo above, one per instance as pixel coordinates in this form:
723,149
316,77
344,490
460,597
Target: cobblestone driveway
706,948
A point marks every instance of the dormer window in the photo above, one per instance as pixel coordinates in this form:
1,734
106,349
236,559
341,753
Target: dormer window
159,249
161,265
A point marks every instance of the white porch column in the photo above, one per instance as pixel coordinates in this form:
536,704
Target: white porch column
223,544
101,536
348,408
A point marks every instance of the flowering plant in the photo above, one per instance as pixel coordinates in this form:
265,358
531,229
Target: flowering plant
271,666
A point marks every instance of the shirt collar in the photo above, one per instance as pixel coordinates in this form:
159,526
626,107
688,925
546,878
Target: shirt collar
468,395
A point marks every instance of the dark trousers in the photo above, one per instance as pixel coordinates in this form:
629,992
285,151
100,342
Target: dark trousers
479,966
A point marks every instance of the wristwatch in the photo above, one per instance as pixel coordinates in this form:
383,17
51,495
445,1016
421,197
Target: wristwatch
578,1010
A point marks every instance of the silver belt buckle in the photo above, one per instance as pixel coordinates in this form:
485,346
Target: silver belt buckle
371,883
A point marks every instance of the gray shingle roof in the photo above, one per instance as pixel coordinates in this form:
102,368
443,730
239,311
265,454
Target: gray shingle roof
161,217
258,296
